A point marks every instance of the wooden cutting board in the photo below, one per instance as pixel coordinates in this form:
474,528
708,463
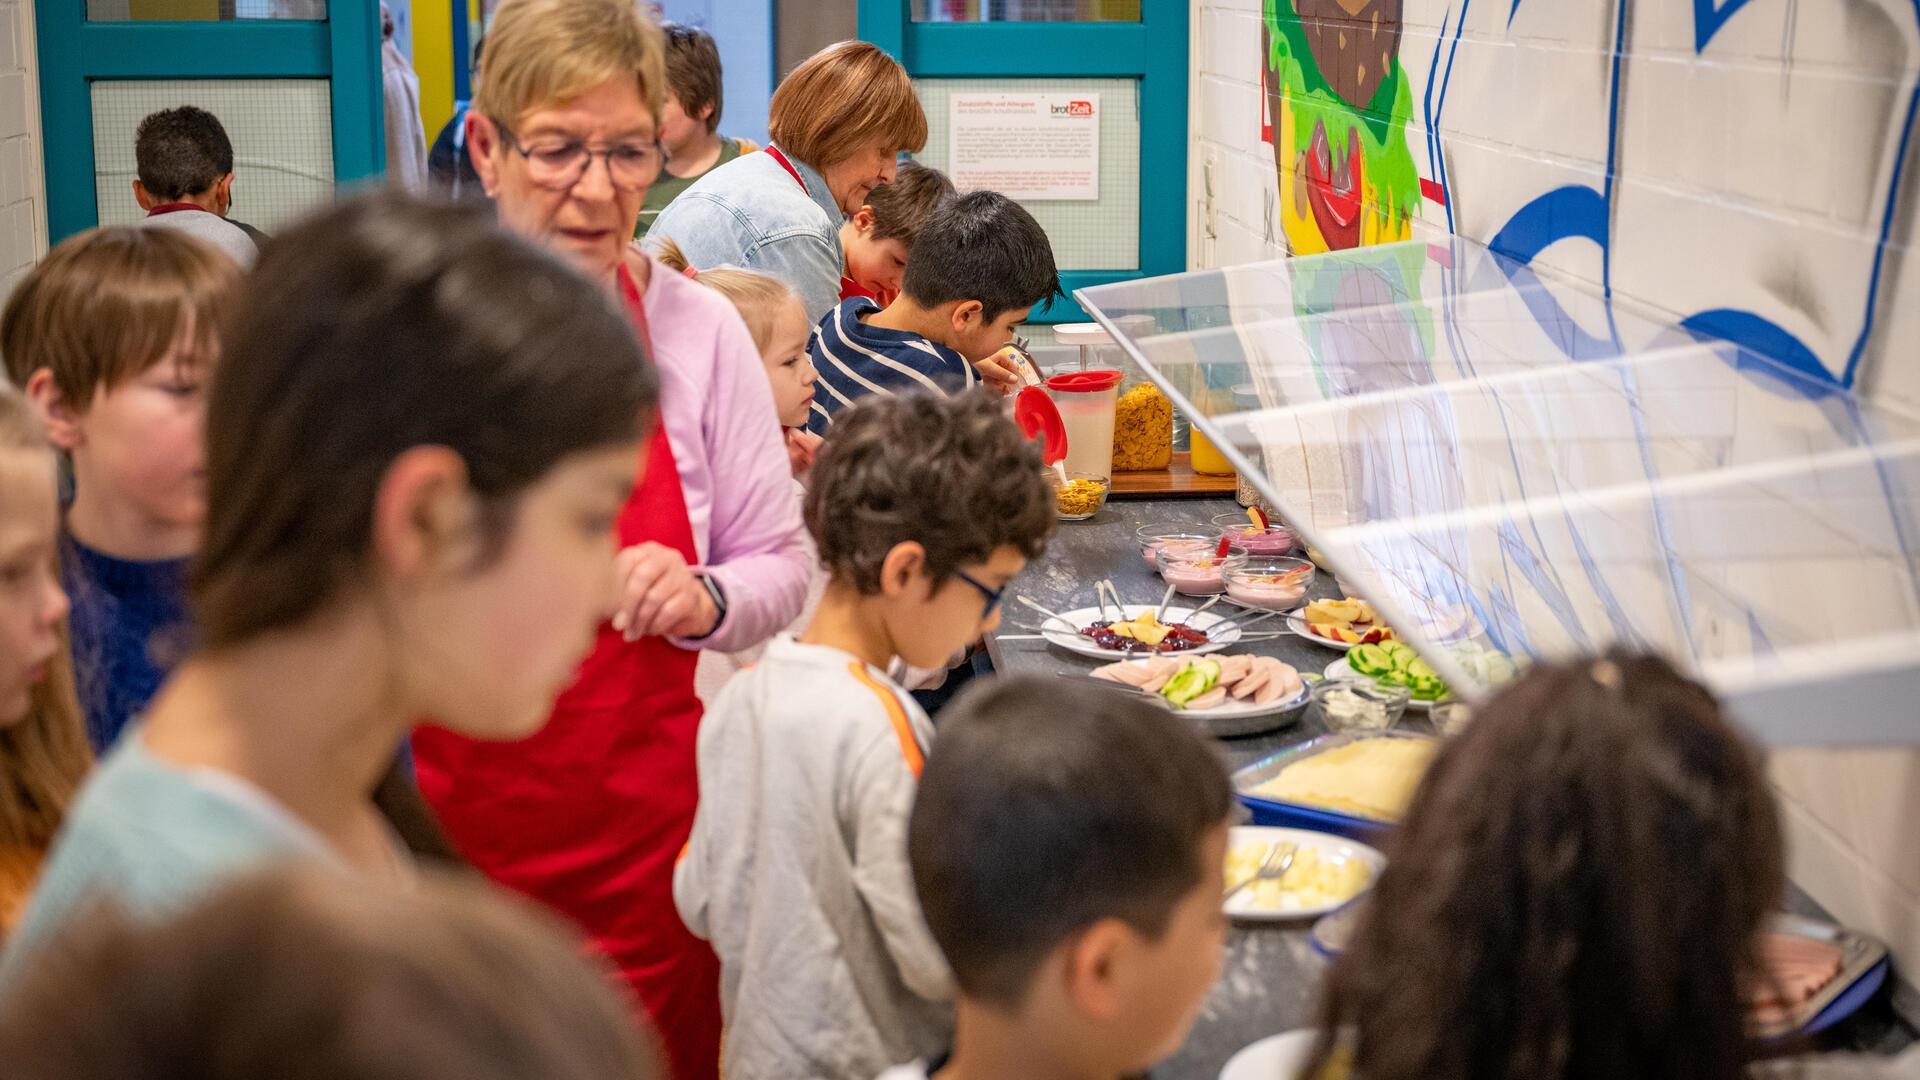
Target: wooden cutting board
1177,480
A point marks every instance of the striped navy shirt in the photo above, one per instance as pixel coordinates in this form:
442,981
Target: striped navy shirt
855,358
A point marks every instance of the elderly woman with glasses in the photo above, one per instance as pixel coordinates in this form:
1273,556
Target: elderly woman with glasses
589,814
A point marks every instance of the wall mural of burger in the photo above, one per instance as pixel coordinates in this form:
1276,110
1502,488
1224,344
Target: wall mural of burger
1339,101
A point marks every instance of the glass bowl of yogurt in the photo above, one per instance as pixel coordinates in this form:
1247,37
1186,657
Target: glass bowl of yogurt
1269,583
1358,705
1196,570
1180,535
1245,536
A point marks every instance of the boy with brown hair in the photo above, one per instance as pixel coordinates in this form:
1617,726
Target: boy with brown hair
113,337
690,120
979,268
1067,847
925,508
879,237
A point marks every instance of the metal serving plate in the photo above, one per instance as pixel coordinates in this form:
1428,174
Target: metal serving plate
1268,811
1863,968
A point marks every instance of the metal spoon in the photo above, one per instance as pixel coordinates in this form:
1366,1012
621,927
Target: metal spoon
1048,612
1160,612
1201,610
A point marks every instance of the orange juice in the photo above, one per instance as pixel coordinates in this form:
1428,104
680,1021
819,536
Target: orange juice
1206,458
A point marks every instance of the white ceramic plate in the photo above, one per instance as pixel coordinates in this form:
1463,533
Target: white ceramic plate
1298,624
1247,710
1276,1057
1070,639
1337,848
1238,710
1340,669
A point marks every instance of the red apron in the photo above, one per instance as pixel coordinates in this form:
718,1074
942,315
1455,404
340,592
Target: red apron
588,815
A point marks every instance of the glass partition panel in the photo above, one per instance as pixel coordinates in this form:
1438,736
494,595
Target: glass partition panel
1514,468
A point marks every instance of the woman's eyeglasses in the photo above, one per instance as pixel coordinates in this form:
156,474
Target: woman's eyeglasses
558,164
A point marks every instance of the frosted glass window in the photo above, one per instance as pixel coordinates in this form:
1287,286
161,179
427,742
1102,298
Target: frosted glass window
281,129
1102,234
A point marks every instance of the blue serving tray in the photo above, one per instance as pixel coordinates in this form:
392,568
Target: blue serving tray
1300,816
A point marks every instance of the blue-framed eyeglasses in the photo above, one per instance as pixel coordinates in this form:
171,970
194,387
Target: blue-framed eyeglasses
993,596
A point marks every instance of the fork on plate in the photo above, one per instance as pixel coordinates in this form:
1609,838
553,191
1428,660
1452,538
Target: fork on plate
1273,867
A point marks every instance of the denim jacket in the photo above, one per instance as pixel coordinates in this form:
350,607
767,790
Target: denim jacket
749,213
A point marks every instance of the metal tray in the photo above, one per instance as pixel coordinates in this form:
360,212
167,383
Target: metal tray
1863,968
1299,815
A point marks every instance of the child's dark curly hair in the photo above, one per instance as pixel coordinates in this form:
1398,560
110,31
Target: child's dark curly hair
1575,892
952,474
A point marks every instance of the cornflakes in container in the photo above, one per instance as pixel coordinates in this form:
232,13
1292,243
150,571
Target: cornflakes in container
1142,430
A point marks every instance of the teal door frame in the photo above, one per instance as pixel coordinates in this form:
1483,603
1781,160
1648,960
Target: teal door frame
1153,50
74,53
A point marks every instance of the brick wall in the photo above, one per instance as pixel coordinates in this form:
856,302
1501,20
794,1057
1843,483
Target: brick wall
23,227
1735,164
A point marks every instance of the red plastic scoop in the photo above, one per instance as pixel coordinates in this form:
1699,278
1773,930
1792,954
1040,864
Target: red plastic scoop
1036,414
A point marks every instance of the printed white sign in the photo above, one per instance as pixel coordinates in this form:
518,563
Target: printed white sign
1025,146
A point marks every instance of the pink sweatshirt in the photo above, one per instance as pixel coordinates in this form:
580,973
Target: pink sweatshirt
719,414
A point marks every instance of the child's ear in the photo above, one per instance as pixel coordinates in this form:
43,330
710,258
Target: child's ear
424,514
863,220
61,419
903,564
1093,973
967,314
144,197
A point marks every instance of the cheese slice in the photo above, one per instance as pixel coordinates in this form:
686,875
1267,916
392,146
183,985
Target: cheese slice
1146,630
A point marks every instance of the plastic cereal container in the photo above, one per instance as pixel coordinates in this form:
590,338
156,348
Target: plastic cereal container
1142,430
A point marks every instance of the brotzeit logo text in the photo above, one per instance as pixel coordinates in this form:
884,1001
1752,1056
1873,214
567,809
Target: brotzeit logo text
1073,108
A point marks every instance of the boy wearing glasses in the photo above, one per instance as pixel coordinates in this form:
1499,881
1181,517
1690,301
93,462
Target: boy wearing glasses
924,508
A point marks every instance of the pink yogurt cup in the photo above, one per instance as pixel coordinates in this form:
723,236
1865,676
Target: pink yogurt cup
1197,572
1181,536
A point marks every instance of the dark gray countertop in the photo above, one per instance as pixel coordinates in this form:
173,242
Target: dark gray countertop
1271,977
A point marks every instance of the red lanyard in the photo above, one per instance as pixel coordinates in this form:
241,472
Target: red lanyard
774,152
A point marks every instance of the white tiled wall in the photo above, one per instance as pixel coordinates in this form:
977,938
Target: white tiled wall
1753,171
23,228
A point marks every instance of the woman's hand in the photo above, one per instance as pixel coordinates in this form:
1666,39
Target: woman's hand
660,596
802,447
999,372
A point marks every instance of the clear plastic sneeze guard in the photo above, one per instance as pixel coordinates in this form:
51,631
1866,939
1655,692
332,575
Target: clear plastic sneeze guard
1513,468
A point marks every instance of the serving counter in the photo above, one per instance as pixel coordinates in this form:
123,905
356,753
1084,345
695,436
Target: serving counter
1271,977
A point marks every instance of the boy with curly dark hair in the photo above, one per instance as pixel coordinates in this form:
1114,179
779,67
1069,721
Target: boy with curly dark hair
924,508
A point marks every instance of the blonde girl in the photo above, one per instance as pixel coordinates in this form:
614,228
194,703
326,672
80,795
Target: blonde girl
43,743
780,330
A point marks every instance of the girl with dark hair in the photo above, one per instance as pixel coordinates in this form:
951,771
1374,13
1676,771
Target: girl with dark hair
1577,892
422,434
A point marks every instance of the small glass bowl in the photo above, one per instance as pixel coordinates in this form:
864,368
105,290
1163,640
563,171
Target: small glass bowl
1359,705
1076,501
1196,571
1270,583
1180,534
1245,536
1450,717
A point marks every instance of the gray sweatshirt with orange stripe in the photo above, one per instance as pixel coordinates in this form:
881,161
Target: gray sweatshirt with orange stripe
797,870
